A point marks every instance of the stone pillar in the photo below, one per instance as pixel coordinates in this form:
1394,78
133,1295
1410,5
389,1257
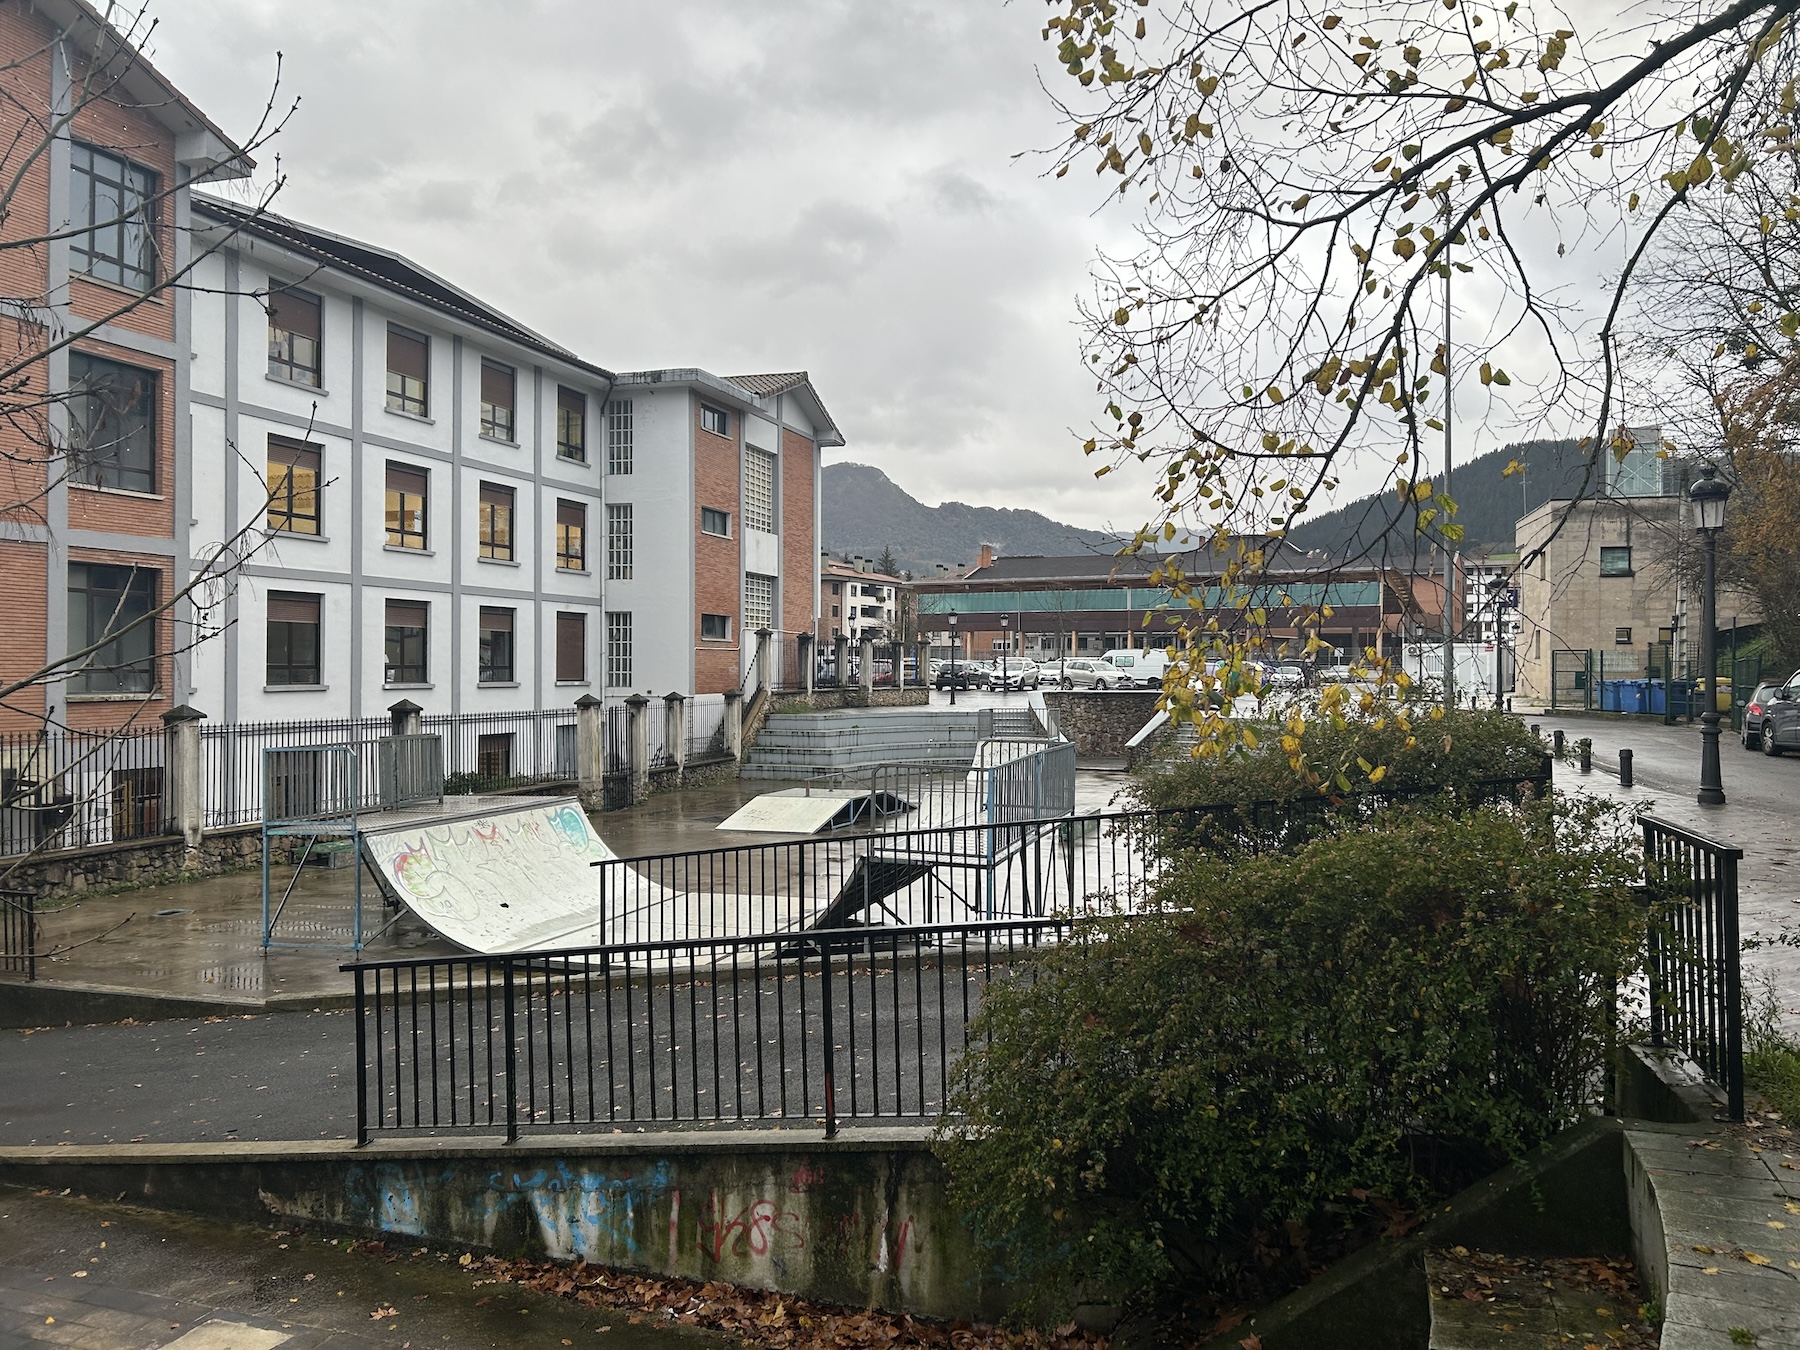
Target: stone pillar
405,716
867,659
184,783
764,640
637,709
803,646
841,653
675,731
590,752
734,723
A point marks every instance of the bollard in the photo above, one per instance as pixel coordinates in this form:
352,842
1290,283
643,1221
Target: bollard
1624,768
1537,730
1558,734
1587,755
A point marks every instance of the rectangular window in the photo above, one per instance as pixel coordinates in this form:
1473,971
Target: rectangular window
715,420
1622,637
493,754
406,499
294,331
618,541
112,209
715,627
618,436
294,501
104,600
498,383
406,632
292,649
496,654
112,424
759,491
759,602
571,424
571,536
1615,562
618,649
571,647
408,371
496,522
715,522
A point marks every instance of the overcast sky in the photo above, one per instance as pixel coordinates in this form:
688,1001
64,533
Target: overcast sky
819,184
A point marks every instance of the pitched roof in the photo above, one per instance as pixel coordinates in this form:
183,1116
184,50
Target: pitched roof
825,431
767,386
388,270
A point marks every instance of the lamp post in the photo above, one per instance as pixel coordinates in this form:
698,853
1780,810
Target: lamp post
953,646
1708,497
1006,634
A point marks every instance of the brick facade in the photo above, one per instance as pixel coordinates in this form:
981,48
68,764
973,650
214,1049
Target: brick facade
718,563
799,538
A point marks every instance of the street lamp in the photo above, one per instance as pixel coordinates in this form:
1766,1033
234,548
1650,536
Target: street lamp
1708,497
953,646
1006,634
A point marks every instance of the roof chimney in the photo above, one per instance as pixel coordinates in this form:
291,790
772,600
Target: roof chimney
987,556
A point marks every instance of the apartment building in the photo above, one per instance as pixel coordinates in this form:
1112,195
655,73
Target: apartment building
413,480
102,153
859,601
719,485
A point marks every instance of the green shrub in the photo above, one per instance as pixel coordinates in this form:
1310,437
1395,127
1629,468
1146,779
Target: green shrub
1441,749
1297,1045
1772,1056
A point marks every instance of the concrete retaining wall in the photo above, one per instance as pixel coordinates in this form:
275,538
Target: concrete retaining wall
1100,721
861,1220
137,862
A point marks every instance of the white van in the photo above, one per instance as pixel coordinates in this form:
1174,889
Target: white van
1145,666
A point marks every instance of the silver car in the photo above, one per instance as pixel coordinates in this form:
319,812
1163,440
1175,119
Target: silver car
1083,672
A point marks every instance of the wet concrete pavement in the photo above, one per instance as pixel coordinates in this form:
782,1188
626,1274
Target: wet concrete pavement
79,1272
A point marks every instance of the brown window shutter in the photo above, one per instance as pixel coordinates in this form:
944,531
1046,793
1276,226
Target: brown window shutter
571,513
285,607
571,401
405,614
408,353
294,312
492,494
297,453
496,384
571,644
400,478
496,620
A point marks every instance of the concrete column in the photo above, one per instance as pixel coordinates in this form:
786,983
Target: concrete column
590,751
867,658
842,654
675,730
637,709
184,783
764,641
405,716
734,723
803,646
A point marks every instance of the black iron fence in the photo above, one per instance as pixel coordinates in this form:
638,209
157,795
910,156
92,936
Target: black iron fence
823,1028
77,789
1696,983
18,933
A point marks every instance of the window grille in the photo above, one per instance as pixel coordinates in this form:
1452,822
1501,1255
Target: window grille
618,649
618,541
618,436
759,602
759,491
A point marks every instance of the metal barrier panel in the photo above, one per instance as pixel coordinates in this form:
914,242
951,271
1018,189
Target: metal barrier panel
411,770
18,933
1696,980
311,782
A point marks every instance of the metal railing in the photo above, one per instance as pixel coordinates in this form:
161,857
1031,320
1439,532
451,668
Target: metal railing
705,727
18,933
839,1025
66,789
485,750
1696,982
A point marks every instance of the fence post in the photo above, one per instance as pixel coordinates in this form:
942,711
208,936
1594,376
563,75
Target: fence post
865,655
362,1062
803,649
826,1028
763,643
841,671
405,716
675,731
512,1052
590,752
734,723
184,778
638,729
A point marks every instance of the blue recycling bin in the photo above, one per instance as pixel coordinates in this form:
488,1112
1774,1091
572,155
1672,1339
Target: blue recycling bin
1610,694
1657,696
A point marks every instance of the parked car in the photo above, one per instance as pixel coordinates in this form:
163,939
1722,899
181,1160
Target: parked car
1286,675
945,676
1014,672
1144,666
1084,672
1337,674
1781,718
1760,698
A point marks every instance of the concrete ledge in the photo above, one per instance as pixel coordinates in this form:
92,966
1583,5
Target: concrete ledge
862,1219
1662,1084
52,1004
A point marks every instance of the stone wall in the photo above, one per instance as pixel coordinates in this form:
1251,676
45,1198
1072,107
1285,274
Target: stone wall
1101,721
863,1219
824,700
137,862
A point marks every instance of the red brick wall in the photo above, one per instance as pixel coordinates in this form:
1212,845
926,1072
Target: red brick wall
799,543
22,653
718,563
